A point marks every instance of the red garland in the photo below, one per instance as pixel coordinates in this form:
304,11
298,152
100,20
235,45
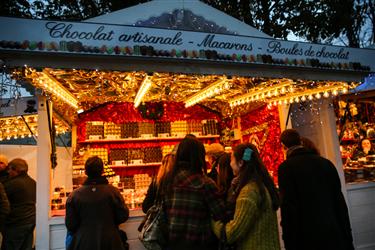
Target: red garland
271,152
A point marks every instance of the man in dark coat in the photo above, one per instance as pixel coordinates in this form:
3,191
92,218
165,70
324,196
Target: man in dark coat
21,192
314,214
94,212
4,210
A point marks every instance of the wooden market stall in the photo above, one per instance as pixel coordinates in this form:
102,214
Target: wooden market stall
133,85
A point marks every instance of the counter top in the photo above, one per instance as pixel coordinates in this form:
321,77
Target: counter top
56,220
360,185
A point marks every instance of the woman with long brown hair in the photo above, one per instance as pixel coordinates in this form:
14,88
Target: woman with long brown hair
166,166
254,222
191,199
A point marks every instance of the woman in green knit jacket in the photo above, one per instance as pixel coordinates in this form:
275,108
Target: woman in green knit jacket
254,198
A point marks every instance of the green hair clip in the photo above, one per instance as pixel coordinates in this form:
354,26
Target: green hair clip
247,154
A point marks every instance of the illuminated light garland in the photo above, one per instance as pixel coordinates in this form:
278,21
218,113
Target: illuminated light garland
49,84
14,127
213,89
311,94
262,93
145,86
288,93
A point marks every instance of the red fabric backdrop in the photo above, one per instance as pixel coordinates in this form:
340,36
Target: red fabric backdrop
263,127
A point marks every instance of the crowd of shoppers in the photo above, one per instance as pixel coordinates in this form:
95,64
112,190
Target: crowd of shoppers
241,199
238,198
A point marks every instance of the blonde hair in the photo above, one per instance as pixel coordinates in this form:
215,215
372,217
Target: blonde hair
4,159
166,167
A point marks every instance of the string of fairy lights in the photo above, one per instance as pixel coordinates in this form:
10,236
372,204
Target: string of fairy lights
289,91
272,92
15,127
281,92
18,127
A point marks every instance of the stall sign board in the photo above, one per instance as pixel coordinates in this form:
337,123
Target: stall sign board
77,37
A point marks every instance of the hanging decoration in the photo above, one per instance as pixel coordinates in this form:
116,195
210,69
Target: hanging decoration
151,110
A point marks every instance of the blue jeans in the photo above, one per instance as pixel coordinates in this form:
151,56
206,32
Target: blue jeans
18,237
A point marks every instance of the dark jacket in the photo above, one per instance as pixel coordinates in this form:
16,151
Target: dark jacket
4,175
4,207
93,214
358,153
21,192
150,197
314,214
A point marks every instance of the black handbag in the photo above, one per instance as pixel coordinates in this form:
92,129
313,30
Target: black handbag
153,234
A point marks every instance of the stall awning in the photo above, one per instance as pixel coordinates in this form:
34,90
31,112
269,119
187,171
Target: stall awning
82,65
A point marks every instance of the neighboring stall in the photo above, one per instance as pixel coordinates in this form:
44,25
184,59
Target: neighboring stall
131,92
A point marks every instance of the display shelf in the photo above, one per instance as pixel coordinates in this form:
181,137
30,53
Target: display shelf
147,139
153,164
349,140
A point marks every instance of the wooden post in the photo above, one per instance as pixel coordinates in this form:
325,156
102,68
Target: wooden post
43,175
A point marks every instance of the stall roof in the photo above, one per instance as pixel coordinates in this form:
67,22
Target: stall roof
365,91
85,64
190,15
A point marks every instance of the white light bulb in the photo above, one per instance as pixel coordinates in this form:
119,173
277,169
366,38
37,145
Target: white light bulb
318,96
326,94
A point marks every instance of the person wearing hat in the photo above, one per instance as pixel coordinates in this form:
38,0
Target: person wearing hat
213,154
94,211
3,168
